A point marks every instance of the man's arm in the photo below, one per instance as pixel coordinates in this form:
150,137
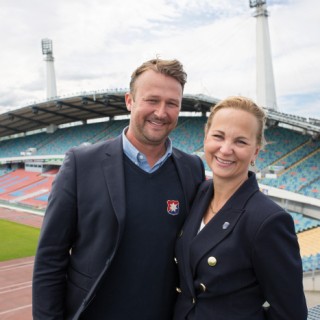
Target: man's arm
56,238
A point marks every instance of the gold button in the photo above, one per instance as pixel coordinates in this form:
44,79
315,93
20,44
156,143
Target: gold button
203,287
175,260
178,290
212,261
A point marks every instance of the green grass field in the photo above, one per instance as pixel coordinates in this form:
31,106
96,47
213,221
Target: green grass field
17,240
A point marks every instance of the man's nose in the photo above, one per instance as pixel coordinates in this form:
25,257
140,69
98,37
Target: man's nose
160,112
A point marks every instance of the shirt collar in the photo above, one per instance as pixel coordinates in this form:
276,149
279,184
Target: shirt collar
139,158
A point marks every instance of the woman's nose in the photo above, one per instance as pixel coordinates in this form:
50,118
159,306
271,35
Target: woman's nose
226,147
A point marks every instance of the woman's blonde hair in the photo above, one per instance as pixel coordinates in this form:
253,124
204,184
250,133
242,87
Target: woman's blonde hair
245,104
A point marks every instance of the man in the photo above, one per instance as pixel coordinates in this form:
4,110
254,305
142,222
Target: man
115,209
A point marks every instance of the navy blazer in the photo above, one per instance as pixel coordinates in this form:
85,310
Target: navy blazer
88,193
246,255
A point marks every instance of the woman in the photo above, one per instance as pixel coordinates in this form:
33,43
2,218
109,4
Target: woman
238,254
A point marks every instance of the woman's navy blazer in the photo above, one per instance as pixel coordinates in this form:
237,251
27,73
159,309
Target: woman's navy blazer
246,255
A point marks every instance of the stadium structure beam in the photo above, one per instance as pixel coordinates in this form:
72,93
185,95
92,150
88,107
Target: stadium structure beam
29,119
10,128
108,103
37,109
62,103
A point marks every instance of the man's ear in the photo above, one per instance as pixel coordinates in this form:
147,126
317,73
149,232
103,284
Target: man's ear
129,100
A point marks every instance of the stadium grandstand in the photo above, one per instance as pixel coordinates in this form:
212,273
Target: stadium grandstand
34,139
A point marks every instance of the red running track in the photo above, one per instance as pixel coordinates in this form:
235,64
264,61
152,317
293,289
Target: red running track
16,275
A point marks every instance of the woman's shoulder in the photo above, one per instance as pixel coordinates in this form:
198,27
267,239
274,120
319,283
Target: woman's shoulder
261,208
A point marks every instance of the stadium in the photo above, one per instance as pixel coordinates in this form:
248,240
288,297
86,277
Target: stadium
35,138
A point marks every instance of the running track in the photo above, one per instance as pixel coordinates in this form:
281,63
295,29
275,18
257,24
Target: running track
16,275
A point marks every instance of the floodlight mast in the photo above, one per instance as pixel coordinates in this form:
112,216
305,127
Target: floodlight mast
47,51
266,93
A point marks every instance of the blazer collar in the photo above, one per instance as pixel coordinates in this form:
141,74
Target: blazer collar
113,170
184,173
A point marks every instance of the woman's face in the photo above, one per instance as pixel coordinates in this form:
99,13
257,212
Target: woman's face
230,143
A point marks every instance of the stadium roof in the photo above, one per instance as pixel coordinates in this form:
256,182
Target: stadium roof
80,108
51,113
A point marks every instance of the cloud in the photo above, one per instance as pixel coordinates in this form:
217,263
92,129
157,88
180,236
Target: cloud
97,44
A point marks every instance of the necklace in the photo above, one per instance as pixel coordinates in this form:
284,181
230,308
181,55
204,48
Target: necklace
212,212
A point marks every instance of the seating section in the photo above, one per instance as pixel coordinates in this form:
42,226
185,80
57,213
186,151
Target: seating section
62,140
26,188
297,153
303,223
299,177
16,180
314,313
189,134
13,147
280,141
311,263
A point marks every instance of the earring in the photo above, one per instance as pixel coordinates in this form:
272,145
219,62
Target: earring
252,163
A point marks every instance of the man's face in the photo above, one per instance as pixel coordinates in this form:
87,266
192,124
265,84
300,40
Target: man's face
155,105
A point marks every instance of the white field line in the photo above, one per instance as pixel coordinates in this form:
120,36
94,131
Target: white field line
15,309
16,286
16,266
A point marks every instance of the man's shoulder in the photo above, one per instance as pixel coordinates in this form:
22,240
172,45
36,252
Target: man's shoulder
179,153
89,149
191,163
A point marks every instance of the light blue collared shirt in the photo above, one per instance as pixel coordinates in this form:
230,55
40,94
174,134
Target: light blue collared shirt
139,158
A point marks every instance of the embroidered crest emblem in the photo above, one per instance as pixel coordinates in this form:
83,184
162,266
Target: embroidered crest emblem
173,207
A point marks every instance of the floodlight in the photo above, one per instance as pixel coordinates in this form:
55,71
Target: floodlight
256,3
46,46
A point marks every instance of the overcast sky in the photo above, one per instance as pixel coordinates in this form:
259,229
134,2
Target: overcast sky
98,43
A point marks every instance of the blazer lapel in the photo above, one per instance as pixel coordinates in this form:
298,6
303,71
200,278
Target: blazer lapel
113,172
184,172
223,223
213,233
